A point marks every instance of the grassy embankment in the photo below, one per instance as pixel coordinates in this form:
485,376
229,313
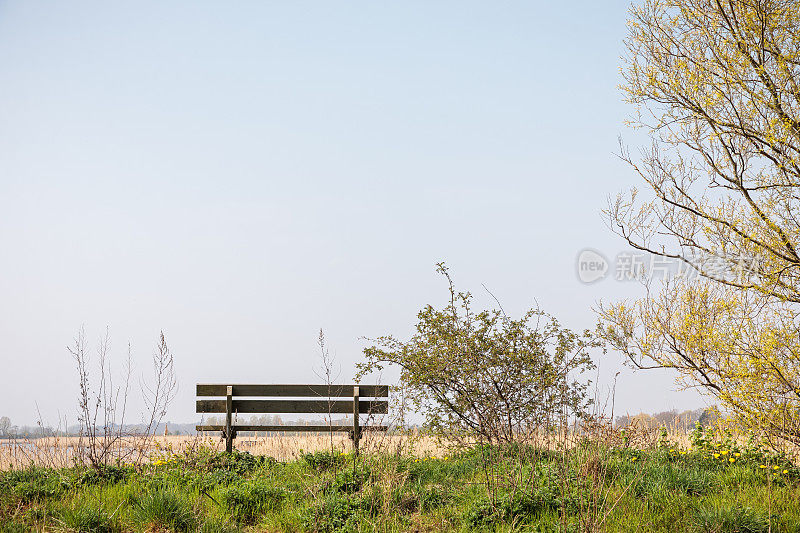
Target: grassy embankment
709,487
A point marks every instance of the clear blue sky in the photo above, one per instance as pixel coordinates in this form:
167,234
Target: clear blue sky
242,174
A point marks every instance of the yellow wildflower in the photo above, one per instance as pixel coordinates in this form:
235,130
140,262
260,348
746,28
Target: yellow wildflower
732,460
716,455
785,471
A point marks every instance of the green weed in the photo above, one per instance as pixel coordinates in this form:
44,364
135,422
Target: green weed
164,507
731,520
83,517
249,501
324,460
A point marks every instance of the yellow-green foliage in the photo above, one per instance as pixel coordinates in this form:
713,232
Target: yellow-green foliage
744,352
717,86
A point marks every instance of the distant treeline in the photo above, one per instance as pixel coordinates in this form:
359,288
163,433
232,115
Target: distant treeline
273,420
681,421
10,431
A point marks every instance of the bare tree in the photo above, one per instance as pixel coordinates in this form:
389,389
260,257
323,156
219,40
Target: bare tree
100,419
159,395
103,405
326,373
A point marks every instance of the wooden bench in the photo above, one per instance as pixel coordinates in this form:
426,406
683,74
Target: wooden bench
326,400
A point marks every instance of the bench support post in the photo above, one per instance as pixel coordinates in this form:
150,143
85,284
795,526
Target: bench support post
356,427
228,416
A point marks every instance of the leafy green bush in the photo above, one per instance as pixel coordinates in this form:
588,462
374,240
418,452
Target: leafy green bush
483,375
240,462
350,481
80,476
170,477
481,513
324,460
33,484
336,512
515,507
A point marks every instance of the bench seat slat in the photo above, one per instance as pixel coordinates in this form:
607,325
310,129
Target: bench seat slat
290,428
297,390
294,406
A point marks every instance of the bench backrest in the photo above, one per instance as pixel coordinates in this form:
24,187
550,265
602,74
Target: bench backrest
306,399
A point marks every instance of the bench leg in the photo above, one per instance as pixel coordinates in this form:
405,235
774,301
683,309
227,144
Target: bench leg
228,417
356,421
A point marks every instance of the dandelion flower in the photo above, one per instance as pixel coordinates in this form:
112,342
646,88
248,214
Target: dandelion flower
774,467
762,466
716,455
785,471
724,452
732,460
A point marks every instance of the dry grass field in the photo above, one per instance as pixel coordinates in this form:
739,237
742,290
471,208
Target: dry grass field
61,452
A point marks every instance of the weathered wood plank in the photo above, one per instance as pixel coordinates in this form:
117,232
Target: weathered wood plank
297,390
229,433
378,407
316,429
356,413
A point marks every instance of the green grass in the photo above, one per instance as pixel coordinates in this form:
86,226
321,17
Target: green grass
86,517
165,507
593,488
